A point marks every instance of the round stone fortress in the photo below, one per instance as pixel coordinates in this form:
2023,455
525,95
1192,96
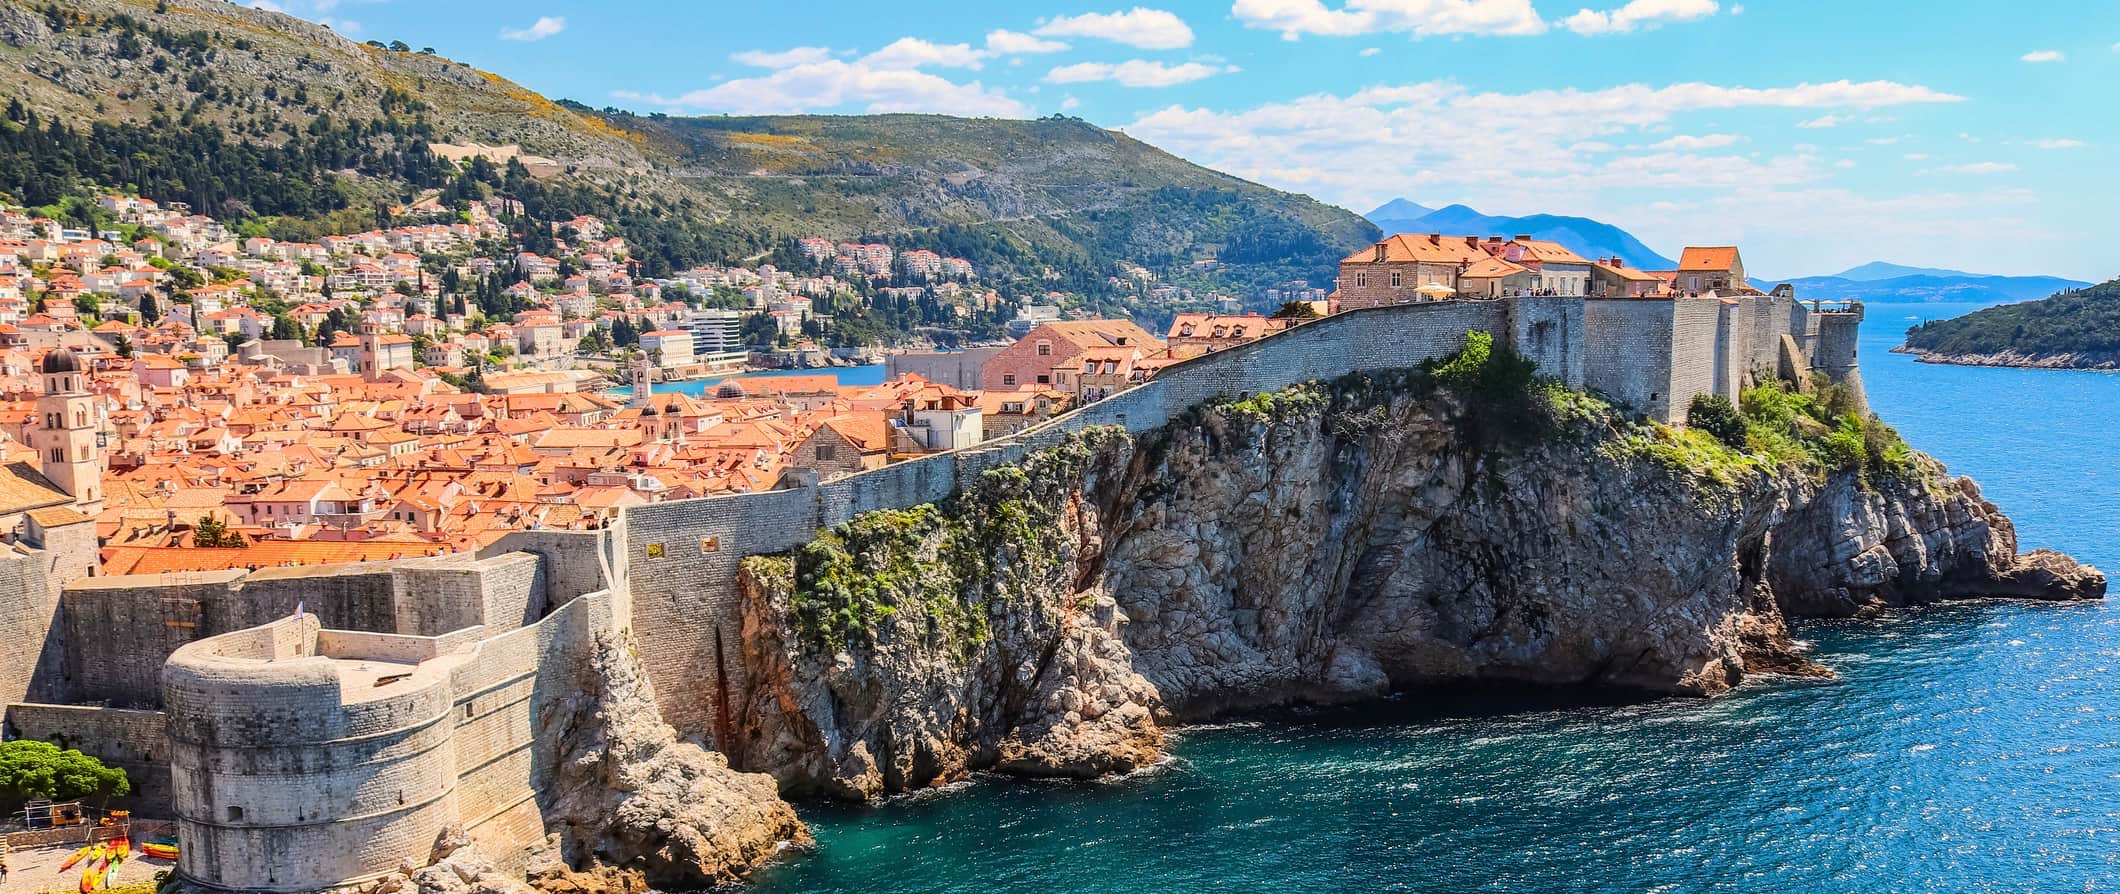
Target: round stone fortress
305,759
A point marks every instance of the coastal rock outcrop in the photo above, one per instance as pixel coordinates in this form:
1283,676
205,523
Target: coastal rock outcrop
629,798
1320,545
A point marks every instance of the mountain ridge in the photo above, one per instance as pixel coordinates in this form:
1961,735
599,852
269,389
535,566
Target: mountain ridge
1039,204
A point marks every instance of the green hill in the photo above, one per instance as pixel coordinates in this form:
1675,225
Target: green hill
2077,329
287,127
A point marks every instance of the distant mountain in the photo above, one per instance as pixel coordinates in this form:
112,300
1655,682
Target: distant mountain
1876,270
1399,209
1586,237
1963,288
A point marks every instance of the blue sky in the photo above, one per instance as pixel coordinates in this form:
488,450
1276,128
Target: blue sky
1817,135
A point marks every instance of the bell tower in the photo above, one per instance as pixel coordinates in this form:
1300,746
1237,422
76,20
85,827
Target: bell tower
67,438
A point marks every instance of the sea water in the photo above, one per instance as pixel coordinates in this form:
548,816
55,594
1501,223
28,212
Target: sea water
1968,747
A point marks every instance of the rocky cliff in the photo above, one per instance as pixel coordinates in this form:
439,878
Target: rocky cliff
632,807
1334,543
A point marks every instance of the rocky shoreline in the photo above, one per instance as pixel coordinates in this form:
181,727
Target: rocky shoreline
1319,551
1328,544
2014,359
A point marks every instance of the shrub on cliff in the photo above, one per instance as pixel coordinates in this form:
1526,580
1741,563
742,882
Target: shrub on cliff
1716,415
1822,433
945,563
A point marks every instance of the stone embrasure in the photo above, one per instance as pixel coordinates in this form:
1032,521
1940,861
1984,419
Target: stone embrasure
1333,542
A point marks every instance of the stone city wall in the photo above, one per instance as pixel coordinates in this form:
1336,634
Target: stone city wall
682,557
120,629
306,758
129,740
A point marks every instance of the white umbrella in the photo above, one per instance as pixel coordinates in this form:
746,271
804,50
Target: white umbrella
1436,290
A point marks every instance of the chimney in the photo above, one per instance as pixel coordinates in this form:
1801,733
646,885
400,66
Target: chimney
1435,238
1494,240
1380,253
1523,238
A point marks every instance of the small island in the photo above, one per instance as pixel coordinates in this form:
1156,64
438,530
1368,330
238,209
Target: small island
2076,329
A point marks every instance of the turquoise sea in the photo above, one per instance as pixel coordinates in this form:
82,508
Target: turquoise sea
1971,747
848,375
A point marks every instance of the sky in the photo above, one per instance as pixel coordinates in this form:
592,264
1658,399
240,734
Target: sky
1816,134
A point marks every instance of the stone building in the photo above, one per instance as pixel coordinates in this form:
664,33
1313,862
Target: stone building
69,438
1051,354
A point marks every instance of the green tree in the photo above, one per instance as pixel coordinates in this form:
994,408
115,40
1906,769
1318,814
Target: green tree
1716,415
212,533
1296,310
33,769
123,347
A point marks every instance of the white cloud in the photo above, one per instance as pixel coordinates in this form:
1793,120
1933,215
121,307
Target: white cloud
784,58
1135,73
1844,164
1422,18
1823,121
1685,143
1070,104
834,84
2056,144
1148,29
1003,42
1980,167
1916,156
912,52
2043,56
1884,141
1582,151
1638,14
1370,51
544,27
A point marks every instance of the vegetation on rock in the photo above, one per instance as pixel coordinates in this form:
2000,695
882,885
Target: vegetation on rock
2081,323
942,566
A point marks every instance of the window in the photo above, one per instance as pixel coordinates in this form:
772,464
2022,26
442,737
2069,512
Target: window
235,814
1395,279
709,545
1045,380
1361,280
655,550
1045,349
1009,379
827,452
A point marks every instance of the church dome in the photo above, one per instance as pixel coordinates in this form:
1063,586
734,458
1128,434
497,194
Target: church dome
61,360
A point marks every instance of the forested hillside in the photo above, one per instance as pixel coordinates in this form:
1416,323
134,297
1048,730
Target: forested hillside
2079,328
280,126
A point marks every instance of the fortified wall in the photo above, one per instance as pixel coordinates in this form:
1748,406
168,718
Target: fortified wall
310,751
1652,354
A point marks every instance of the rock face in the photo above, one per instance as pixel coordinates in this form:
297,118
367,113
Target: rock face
1319,550
628,796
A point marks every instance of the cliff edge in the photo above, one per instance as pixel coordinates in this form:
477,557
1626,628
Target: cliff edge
1457,524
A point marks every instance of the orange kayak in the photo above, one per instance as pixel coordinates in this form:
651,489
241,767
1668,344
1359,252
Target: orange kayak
159,851
76,858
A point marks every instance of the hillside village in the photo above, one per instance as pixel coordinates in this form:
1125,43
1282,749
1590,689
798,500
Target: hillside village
427,388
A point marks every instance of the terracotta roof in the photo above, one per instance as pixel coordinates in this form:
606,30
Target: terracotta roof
1715,258
23,488
1433,248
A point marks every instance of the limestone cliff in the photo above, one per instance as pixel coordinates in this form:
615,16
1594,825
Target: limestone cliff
631,804
1328,544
